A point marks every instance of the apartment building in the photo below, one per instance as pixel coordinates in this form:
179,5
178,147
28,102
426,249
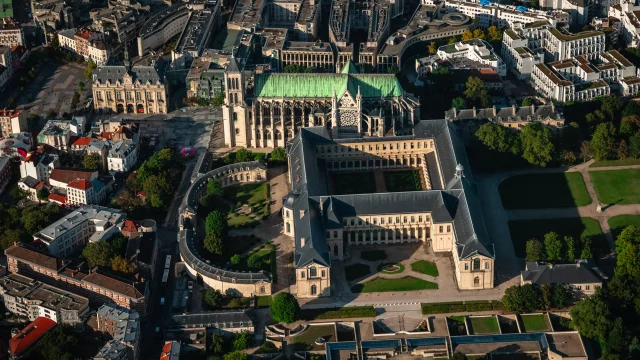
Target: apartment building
629,14
11,34
5,172
21,344
522,48
561,44
57,133
548,81
98,287
630,86
87,224
86,43
309,54
12,122
489,14
581,276
83,192
474,50
24,296
123,325
38,165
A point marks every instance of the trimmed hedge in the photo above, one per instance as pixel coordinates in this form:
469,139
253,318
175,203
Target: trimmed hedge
459,306
339,313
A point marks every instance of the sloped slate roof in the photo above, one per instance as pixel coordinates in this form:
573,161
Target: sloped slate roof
115,73
324,85
541,274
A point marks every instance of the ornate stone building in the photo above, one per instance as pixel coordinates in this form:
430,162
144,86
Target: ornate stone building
346,103
138,89
445,214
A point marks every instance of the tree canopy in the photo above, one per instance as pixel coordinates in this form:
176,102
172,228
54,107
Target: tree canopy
520,299
278,154
91,162
214,188
284,308
537,145
603,141
476,93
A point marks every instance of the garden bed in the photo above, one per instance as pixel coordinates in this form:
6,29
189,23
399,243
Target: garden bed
535,323
560,323
350,312
508,325
483,325
425,267
456,325
390,268
405,180
407,283
459,306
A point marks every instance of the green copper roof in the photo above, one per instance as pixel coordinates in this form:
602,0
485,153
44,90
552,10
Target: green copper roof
349,68
324,85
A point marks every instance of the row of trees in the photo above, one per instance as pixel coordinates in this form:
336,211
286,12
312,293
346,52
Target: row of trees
534,143
230,348
110,254
529,298
19,224
155,179
557,248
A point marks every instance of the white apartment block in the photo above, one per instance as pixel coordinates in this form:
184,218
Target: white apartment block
11,34
27,297
122,156
503,15
561,44
83,192
548,81
629,14
518,55
630,86
38,166
475,50
88,224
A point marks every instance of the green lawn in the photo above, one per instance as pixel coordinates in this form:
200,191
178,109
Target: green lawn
239,220
523,230
535,191
425,267
406,180
618,223
484,325
617,186
607,163
407,283
390,268
356,271
256,196
307,340
264,301
349,312
373,255
354,183
534,323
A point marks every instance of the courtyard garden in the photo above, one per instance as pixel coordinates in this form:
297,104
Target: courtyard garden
425,267
617,186
481,325
307,340
620,222
523,230
536,191
560,323
535,323
353,183
406,180
508,325
456,325
356,271
407,283
244,205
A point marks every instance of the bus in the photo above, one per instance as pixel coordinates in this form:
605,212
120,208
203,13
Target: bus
167,263
165,276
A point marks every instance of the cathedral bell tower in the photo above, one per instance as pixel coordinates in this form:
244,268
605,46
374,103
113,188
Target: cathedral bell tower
235,112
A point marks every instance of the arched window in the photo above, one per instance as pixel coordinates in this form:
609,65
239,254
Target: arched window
262,289
476,264
476,281
313,272
314,290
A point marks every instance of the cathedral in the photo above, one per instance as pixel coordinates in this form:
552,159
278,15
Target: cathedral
267,110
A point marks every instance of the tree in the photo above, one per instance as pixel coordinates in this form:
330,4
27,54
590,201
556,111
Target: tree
214,188
586,248
520,299
432,48
216,343
236,355
494,34
213,298
243,155
213,243
553,246
527,102
35,218
57,344
12,102
90,67
537,145
98,253
91,162
18,193
292,68
628,249
622,150
591,316
81,86
467,35
603,141
452,40
561,297
218,99
42,194
535,250
534,4
459,103
10,237
629,125
571,248
612,106
585,151
121,265
254,261
235,259
393,69
216,222
241,341
496,137
278,154
546,292
158,189
634,146
476,92
478,34
284,308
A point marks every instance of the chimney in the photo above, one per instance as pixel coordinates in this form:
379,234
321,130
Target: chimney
474,112
302,242
553,107
513,110
533,109
495,111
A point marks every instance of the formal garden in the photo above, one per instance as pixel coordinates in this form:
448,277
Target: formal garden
535,323
425,267
353,183
482,325
244,205
617,186
405,180
537,191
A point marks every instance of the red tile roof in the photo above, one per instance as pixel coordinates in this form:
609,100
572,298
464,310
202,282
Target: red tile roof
33,257
80,184
11,113
40,184
82,141
62,199
129,226
166,351
66,176
30,335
